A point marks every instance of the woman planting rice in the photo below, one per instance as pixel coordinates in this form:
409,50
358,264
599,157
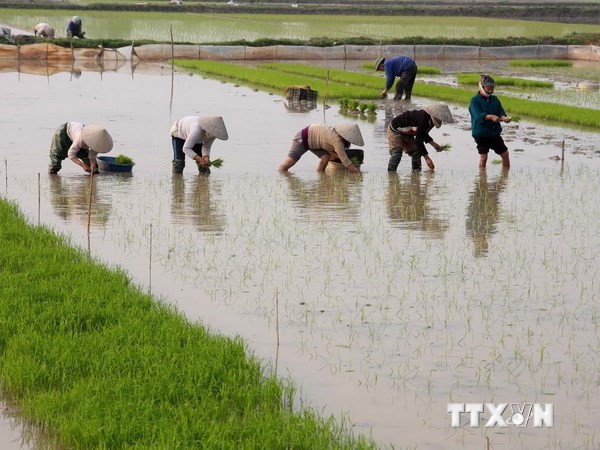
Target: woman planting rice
327,142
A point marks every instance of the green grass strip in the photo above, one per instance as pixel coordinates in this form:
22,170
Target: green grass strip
276,79
472,79
540,63
97,363
423,70
547,111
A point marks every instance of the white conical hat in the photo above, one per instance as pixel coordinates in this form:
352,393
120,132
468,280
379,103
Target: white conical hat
350,132
215,126
440,113
97,138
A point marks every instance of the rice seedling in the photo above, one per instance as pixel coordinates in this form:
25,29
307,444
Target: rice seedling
423,70
271,78
99,363
587,117
123,159
540,63
473,79
445,147
218,163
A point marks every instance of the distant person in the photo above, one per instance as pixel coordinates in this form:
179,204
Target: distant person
193,136
486,114
402,67
44,30
409,132
327,142
80,143
74,28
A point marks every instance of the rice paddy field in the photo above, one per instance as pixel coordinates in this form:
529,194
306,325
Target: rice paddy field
203,28
391,294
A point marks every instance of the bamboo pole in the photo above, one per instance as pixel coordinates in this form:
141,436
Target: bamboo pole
39,199
89,218
150,263
277,328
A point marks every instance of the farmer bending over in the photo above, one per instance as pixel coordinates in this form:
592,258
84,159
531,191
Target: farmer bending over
43,30
328,143
409,132
193,136
80,143
74,28
402,67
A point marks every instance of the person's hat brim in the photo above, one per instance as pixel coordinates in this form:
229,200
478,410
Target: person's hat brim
97,138
215,126
351,133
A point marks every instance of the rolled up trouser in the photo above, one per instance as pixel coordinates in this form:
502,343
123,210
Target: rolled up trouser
396,156
398,143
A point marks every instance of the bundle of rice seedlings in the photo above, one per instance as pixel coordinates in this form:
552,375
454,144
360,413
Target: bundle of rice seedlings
123,159
445,147
217,162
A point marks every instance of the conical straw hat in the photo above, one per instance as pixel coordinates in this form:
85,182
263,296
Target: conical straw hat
215,126
97,138
350,132
440,113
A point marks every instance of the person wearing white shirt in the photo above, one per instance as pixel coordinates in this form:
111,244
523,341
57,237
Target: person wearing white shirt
193,136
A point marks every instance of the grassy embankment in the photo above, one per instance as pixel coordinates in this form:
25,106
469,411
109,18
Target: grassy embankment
343,84
96,363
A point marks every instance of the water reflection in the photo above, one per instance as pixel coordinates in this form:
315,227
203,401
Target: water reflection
334,195
408,204
70,198
483,210
193,203
299,106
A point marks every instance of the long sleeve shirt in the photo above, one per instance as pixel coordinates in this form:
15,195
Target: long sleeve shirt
324,137
415,123
74,131
189,129
394,67
479,108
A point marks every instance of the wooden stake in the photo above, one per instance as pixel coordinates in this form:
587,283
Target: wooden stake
487,443
325,95
39,199
89,221
150,263
277,328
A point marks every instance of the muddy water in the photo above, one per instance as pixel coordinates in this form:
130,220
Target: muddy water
396,293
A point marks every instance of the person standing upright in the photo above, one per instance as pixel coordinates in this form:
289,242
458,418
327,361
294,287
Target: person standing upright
486,114
404,68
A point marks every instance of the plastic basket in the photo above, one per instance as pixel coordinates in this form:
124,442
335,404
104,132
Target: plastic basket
109,164
301,93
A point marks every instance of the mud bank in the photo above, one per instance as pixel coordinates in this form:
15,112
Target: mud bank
162,52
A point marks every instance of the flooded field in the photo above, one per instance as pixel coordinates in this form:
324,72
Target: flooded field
394,294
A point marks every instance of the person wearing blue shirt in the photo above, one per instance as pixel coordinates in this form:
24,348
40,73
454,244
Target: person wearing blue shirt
486,114
74,28
402,67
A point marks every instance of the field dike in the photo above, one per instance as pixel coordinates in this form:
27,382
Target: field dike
93,362
162,52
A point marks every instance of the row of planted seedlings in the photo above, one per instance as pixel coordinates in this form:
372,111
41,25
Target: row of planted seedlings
383,334
99,364
338,84
365,324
